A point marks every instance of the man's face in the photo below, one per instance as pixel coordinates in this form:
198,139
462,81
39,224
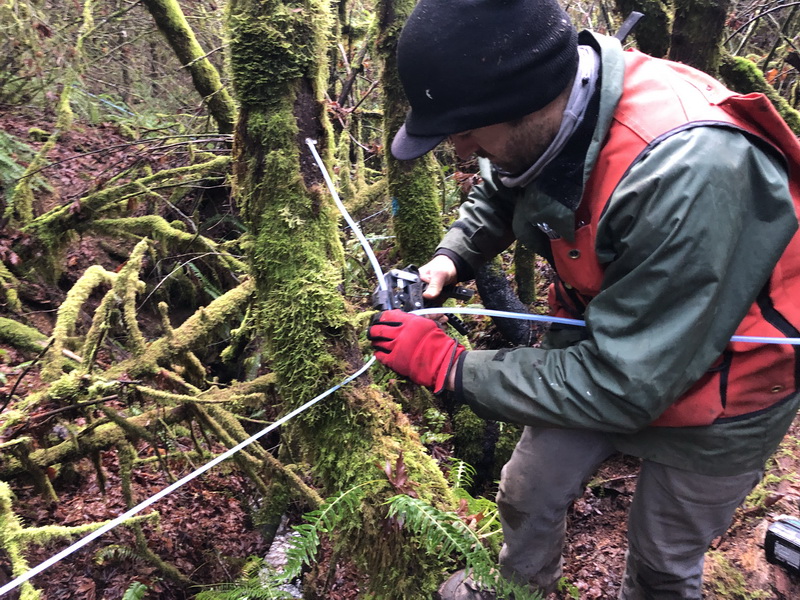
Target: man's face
513,146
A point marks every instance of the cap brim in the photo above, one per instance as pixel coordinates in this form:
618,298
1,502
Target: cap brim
406,146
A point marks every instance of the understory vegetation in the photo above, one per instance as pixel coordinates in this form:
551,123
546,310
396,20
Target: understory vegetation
175,278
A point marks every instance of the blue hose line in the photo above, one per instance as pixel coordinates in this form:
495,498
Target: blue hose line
464,310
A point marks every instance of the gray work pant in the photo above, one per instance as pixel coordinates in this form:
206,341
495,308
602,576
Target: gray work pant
674,516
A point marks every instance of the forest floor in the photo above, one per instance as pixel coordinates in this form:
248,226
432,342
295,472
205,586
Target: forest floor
205,530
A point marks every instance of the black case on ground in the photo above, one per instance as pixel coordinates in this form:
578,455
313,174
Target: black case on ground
782,543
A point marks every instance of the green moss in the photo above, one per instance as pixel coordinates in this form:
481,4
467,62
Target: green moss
414,190
765,489
486,445
297,262
267,518
38,135
727,581
68,314
10,527
414,186
21,336
272,46
68,387
55,228
171,21
12,418
744,76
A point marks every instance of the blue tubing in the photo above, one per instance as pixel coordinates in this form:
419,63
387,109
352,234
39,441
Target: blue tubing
463,310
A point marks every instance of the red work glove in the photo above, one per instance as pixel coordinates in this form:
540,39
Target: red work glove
414,347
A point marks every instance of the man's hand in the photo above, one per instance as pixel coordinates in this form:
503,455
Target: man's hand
414,347
439,272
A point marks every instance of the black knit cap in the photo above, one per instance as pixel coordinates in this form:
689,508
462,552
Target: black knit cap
466,64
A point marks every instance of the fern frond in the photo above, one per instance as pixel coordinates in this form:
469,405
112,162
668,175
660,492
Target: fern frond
443,533
461,474
116,553
13,153
209,287
254,584
303,547
136,591
251,589
252,567
490,524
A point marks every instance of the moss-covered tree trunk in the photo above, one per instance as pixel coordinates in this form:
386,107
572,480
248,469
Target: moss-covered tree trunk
414,184
277,58
172,23
687,31
652,33
697,33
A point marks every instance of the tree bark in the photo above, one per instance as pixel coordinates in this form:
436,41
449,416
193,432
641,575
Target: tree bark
413,184
653,32
697,33
278,51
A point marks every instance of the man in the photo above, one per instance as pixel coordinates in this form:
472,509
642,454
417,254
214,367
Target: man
669,217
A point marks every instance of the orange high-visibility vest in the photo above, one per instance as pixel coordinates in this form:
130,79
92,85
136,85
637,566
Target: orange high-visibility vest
661,98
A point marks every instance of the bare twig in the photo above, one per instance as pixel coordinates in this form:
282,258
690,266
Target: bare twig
25,372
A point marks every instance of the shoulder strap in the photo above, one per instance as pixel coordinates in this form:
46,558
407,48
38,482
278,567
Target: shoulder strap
627,26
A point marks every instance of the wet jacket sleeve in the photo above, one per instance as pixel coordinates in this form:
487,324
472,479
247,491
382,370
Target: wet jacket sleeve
689,237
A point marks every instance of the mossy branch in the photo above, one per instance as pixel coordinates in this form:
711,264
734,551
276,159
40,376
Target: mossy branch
21,336
176,29
225,426
68,314
9,285
160,229
103,436
127,286
188,335
127,455
10,526
91,438
98,330
14,538
218,396
50,533
40,478
51,226
744,76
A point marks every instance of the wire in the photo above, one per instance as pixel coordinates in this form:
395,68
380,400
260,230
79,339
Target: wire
171,488
464,310
353,225
230,452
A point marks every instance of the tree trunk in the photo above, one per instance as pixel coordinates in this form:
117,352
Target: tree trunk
173,24
278,56
413,184
653,32
697,33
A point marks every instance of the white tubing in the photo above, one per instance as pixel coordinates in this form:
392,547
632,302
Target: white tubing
329,182
171,488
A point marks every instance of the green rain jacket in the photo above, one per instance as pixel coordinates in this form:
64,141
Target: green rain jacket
659,323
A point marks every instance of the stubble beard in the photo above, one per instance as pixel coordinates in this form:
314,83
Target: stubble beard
527,142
